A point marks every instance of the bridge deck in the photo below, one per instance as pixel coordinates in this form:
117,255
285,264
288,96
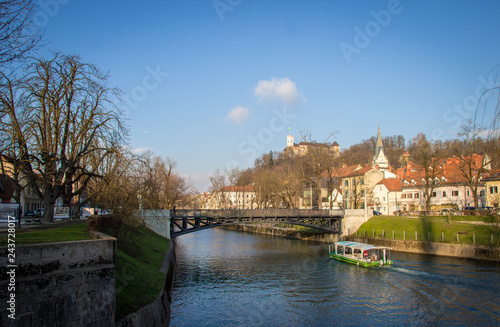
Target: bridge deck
187,221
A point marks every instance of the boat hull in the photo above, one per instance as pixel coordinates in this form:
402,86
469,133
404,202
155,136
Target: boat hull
355,261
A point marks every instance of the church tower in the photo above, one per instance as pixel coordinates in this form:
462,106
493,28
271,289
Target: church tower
379,159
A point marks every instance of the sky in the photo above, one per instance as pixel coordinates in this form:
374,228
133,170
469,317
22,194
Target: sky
214,84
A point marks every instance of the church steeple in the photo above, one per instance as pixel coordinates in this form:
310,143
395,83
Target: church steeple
379,159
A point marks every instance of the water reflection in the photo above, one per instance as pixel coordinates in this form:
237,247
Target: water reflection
228,278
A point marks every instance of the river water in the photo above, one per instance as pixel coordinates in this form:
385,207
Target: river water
230,278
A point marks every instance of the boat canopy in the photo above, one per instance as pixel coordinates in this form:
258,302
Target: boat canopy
361,246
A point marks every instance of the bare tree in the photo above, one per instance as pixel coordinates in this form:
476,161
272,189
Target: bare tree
218,181
472,164
19,35
58,115
427,154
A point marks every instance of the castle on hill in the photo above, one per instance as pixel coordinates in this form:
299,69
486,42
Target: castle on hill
303,148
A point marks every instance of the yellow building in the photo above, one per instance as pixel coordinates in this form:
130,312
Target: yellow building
492,187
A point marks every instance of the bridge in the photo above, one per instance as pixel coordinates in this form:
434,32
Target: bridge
188,221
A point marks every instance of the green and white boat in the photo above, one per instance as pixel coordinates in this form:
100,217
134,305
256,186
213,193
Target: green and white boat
360,254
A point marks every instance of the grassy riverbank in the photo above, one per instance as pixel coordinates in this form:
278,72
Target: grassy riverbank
432,229
61,232
138,259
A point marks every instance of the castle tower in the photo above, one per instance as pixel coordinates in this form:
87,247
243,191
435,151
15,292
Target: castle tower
379,159
289,140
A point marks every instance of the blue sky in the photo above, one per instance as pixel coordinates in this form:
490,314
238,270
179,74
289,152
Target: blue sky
214,84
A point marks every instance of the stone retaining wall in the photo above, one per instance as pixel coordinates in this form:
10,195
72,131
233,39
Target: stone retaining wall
61,284
284,232
441,249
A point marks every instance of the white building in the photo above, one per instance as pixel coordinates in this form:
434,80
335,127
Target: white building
387,195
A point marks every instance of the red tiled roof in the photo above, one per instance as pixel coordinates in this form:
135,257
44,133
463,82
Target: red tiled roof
449,168
360,172
343,171
392,184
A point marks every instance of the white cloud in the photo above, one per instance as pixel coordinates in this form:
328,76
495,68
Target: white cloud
282,91
150,132
140,150
238,115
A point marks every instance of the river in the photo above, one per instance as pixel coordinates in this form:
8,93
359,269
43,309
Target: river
230,278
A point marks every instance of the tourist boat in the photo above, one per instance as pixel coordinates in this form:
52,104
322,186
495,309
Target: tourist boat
360,254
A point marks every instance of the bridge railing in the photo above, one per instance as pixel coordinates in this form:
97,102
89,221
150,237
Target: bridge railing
256,213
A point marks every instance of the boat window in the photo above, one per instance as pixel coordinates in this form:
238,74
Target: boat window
348,250
340,250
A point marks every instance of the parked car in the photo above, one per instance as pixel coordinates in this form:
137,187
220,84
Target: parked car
29,216
377,213
32,216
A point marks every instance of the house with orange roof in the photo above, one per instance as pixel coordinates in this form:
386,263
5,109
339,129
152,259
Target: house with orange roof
387,195
448,186
357,187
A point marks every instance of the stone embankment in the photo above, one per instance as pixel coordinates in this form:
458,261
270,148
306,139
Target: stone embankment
268,229
439,249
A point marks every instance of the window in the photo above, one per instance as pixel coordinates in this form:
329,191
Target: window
454,193
433,194
482,193
362,181
346,183
493,189
410,196
403,196
468,192
417,195
444,194
362,192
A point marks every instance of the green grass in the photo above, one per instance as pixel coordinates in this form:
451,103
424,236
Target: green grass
429,229
73,232
138,259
